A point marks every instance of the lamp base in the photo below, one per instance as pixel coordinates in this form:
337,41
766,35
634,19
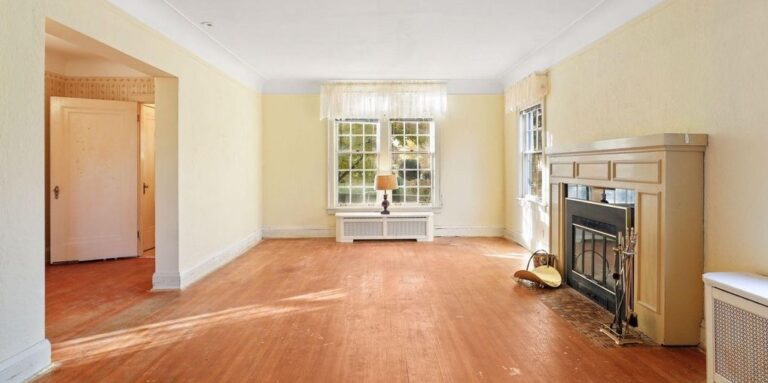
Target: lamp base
385,205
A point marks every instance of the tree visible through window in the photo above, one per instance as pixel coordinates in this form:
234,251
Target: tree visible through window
361,148
532,143
357,151
413,151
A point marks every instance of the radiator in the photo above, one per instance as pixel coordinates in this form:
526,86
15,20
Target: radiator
736,321
398,225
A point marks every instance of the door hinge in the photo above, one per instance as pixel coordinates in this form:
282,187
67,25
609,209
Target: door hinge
138,234
138,118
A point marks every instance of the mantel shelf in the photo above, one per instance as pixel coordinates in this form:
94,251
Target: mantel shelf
670,141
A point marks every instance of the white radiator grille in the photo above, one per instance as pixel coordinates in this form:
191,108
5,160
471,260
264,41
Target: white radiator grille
407,228
741,344
363,228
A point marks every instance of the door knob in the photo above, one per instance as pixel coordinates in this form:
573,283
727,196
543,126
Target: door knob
145,187
56,192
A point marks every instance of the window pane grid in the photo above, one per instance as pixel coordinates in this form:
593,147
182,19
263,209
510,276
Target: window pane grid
357,158
532,128
412,147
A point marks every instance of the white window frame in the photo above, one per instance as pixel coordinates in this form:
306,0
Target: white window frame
385,156
434,188
527,147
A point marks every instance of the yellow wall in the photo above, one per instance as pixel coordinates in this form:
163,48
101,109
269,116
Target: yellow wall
296,162
695,66
22,232
219,160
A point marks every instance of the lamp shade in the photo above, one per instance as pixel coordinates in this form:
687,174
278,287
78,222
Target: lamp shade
386,182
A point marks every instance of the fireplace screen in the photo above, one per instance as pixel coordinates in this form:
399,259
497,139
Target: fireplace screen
592,230
593,256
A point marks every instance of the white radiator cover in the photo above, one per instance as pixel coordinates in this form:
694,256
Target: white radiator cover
400,225
737,327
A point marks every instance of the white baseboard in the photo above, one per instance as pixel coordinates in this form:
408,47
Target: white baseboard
299,232
166,281
219,259
179,281
516,237
27,363
330,232
468,231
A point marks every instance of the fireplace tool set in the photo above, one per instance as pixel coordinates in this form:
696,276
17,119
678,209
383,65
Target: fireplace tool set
624,316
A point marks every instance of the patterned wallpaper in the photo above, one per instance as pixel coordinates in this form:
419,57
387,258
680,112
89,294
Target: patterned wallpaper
100,88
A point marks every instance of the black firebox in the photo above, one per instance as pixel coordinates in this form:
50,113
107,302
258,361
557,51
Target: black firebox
592,230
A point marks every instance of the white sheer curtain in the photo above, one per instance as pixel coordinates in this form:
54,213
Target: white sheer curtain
402,99
527,92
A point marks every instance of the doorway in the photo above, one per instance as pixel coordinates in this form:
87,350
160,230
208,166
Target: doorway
147,187
94,170
78,66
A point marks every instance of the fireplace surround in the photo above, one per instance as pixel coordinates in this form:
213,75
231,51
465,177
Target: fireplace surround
666,174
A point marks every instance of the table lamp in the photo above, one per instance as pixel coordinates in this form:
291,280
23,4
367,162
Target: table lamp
386,182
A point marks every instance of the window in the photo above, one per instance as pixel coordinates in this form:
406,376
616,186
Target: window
361,148
357,159
532,142
412,148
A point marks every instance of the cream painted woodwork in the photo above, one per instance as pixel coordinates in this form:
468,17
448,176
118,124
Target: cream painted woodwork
94,174
667,173
147,186
351,226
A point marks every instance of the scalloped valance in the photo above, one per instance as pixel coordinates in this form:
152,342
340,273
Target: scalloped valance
527,92
401,99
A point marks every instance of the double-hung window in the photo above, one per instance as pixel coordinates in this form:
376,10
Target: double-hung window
357,161
532,159
412,147
364,148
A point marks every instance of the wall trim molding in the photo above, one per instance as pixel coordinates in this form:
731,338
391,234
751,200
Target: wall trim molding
517,237
164,18
26,364
299,232
166,281
219,259
468,231
182,280
330,232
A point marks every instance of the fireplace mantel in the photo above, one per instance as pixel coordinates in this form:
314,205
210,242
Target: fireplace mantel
667,141
666,171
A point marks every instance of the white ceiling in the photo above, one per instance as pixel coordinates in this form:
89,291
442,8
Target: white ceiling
317,40
384,39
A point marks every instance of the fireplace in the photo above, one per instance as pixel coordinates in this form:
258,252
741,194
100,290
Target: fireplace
592,229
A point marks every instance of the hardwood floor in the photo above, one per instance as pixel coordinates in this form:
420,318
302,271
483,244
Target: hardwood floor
317,311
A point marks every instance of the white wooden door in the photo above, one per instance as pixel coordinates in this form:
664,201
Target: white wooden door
147,232
94,177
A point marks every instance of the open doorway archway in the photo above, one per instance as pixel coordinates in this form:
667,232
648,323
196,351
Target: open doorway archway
166,273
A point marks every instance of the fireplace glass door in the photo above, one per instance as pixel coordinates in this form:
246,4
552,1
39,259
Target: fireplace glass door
593,256
592,230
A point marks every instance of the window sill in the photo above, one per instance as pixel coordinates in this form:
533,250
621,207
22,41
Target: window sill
533,201
433,209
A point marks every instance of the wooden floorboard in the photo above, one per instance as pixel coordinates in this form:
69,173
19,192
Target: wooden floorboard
312,310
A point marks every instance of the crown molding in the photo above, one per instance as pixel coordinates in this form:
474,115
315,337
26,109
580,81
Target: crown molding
168,21
455,87
599,21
